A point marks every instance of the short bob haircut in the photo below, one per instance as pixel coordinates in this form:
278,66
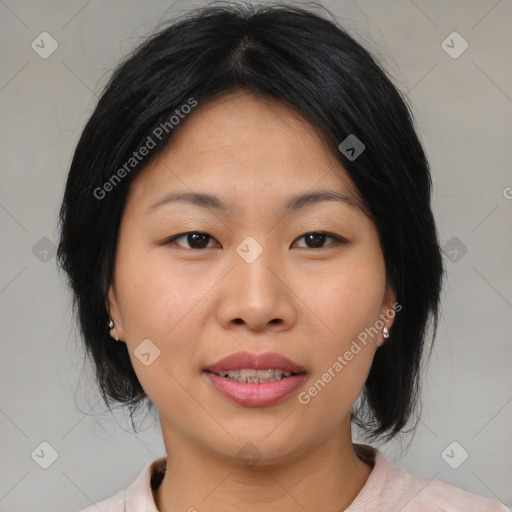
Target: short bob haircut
305,60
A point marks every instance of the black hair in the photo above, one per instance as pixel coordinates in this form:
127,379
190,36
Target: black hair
307,61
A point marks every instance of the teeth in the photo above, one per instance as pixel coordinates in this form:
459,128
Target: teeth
250,375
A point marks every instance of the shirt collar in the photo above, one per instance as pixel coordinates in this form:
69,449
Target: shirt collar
376,483
139,495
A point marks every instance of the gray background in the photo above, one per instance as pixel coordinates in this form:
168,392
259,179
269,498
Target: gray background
463,109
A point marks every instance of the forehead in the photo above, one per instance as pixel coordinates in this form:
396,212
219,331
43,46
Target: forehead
241,126
239,144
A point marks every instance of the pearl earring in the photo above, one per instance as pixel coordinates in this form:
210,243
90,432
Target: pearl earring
385,332
111,326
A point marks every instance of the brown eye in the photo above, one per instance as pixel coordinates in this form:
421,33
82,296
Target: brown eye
316,239
194,239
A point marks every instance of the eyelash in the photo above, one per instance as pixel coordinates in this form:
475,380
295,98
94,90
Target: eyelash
337,239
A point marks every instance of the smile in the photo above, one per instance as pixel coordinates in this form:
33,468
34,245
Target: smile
253,391
255,376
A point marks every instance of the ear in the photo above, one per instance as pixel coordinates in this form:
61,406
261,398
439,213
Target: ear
113,307
388,312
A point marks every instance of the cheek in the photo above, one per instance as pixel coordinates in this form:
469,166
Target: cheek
161,304
155,297
348,305
349,300
334,391
343,354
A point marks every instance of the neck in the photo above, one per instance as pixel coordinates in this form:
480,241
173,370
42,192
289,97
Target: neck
326,477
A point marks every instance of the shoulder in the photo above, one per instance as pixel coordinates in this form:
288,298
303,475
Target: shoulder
390,488
115,503
420,494
138,495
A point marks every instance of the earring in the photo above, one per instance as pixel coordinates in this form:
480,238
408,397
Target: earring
111,326
385,332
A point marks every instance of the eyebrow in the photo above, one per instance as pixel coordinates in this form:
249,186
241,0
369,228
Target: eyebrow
293,204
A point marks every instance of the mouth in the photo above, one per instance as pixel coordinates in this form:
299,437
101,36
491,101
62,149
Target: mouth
255,380
250,375
250,362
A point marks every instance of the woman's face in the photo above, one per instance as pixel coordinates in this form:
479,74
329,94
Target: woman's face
257,278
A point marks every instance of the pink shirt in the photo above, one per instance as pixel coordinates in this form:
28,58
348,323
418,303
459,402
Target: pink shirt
388,489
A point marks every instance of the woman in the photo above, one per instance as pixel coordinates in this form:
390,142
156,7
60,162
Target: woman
248,234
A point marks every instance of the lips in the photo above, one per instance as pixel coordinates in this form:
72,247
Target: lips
255,361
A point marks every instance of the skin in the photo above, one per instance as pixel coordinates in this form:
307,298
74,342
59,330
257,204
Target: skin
198,305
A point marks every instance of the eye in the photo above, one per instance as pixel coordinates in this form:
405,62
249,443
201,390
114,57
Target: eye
199,239
316,239
195,239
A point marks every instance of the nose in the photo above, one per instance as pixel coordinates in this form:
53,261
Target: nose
257,296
